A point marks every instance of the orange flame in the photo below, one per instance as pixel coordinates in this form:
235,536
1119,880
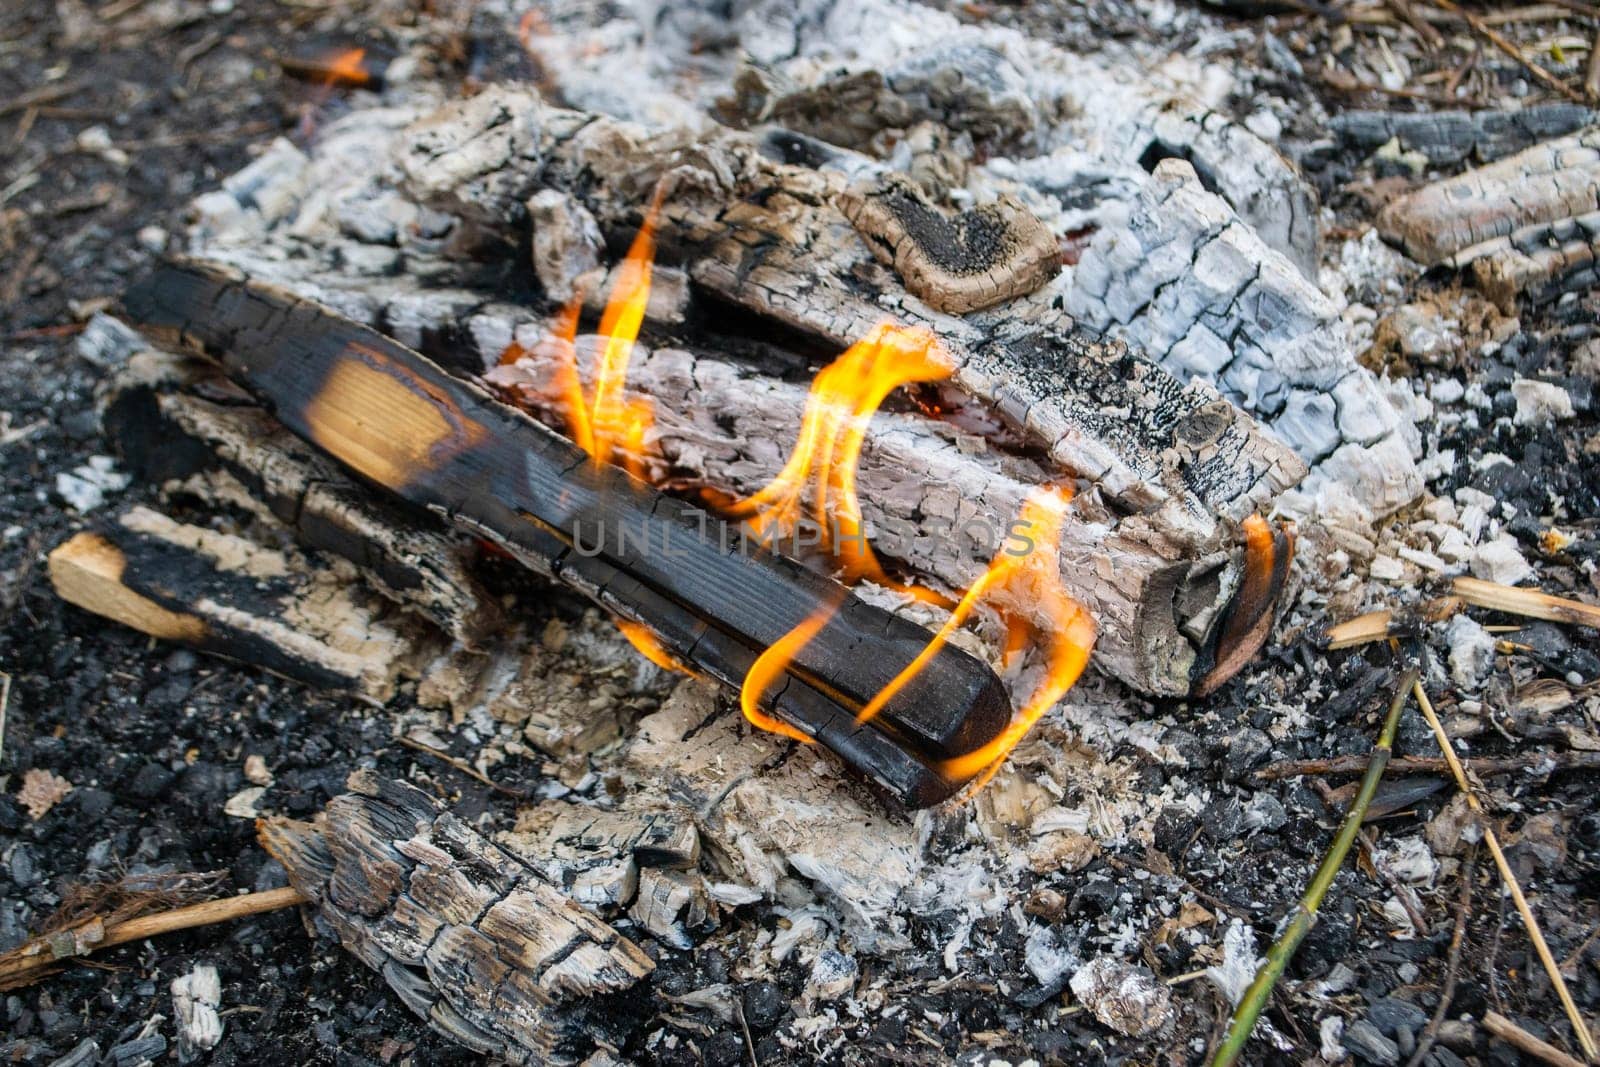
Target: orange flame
606,423
769,667
1030,578
833,428
348,68
642,638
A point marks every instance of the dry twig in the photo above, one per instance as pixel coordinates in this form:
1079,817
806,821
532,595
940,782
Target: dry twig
1491,839
1499,40
1510,1032
1481,767
1430,1033
40,956
1527,602
1305,914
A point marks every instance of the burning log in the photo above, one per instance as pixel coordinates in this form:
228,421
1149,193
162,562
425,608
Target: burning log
400,422
228,595
1172,469
468,936
173,418
770,237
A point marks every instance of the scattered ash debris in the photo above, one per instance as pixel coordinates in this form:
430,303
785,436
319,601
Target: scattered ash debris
1152,867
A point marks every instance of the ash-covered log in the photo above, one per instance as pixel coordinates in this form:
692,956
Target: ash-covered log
468,936
714,602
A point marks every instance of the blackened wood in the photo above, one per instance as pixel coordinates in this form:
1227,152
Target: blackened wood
400,421
225,594
173,418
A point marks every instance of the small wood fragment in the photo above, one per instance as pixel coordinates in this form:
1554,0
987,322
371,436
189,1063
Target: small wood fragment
1531,603
1520,1039
226,594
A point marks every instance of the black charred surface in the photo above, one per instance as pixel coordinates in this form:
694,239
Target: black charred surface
716,600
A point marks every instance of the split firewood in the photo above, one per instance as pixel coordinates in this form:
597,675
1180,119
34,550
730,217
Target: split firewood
1184,281
468,936
227,594
399,421
1527,225
1446,137
176,418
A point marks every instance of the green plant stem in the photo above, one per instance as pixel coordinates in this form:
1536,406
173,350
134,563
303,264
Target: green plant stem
1282,951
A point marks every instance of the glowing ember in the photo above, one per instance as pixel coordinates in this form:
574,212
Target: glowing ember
348,68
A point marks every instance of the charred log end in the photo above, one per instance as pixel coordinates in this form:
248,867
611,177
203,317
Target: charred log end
1248,619
974,260
88,571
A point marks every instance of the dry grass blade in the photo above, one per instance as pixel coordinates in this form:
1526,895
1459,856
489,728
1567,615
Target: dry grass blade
1490,839
1282,951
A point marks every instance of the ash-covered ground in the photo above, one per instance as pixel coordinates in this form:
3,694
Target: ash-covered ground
137,107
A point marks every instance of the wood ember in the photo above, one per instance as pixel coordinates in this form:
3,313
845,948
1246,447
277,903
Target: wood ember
1446,137
227,594
176,418
982,257
399,421
468,936
1555,180
1185,282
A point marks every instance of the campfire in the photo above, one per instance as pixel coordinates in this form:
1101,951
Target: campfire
860,506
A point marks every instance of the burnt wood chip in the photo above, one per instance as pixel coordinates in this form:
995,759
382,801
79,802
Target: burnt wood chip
955,263
467,935
715,602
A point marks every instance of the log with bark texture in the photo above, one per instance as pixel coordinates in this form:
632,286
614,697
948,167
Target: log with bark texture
863,74
229,595
402,423
938,500
174,418
1539,263
1455,136
768,236
1555,180
468,936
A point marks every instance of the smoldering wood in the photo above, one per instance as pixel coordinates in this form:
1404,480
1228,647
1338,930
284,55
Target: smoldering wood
226,594
939,500
175,418
1446,137
768,236
402,423
985,256
468,936
1554,180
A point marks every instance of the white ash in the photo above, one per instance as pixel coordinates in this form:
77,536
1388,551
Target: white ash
86,488
1408,859
1047,958
833,974
195,999
1471,653
1501,561
1540,403
1239,962
1124,997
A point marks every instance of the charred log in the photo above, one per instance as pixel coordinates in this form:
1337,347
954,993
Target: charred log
226,594
399,421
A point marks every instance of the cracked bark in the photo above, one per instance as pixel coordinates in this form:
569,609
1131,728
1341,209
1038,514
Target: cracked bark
468,936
